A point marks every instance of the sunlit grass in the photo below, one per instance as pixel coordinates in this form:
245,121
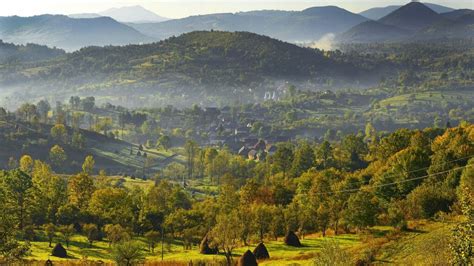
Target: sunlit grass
280,253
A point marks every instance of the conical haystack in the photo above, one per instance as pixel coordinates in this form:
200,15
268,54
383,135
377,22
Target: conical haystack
291,239
59,251
248,259
261,252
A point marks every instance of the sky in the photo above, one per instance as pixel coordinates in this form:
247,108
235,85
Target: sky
184,8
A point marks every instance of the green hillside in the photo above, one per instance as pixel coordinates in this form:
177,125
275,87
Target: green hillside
112,155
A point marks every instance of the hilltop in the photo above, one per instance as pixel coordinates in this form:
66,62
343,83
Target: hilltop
197,64
380,12
412,17
412,22
11,53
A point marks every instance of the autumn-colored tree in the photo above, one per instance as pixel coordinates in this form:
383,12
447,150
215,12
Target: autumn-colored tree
226,233
80,187
26,164
18,191
67,231
92,233
50,230
59,133
57,155
88,165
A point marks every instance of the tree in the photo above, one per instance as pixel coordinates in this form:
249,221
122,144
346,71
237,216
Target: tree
127,253
361,211
164,141
78,141
428,199
57,155
59,133
88,165
370,133
304,159
80,189
111,205
18,190
67,231
191,148
26,164
27,112
49,193
462,235
43,108
116,233
50,230
92,233
283,158
355,148
226,233
10,249
324,155
152,237
332,254
262,219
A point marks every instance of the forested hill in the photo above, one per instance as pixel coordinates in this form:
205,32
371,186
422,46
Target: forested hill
11,53
205,56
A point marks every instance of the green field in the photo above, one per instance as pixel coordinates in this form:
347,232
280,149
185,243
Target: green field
435,97
279,252
424,244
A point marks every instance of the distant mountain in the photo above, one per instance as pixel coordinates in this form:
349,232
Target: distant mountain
132,14
67,33
380,12
456,14
373,31
414,21
461,27
308,25
413,17
85,15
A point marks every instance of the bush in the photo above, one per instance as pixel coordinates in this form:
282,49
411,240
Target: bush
127,253
331,253
428,199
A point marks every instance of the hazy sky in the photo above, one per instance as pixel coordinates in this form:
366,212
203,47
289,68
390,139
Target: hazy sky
183,8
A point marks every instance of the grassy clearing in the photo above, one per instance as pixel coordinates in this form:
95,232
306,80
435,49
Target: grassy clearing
279,252
425,244
434,97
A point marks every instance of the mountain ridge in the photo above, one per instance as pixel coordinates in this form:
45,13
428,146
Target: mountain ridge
294,26
377,13
67,33
412,22
125,14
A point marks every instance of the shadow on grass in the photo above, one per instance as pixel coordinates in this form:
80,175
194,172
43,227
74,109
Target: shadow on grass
414,230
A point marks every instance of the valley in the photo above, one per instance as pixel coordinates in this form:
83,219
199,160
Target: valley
305,135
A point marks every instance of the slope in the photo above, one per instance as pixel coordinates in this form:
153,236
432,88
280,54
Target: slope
413,17
67,33
11,53
380,12
373,31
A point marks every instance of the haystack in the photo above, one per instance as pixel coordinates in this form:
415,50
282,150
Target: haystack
291,239
205,249
59,251
261,252
248,259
